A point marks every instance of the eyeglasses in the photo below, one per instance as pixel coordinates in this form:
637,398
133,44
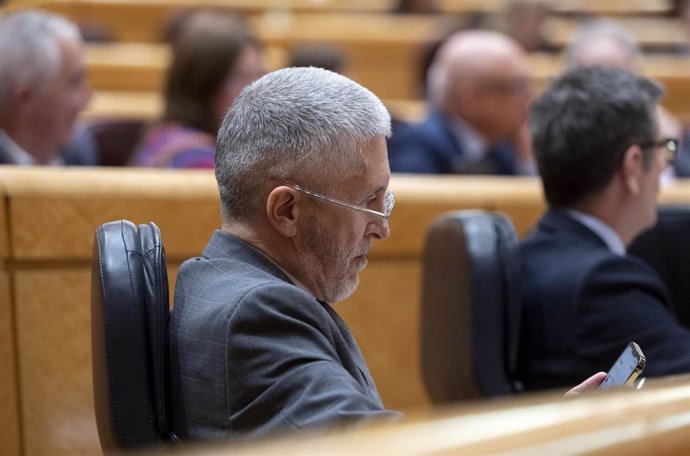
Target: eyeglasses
668,145
388,202
511,85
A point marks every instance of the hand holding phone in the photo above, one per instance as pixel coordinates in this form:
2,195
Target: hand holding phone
627,367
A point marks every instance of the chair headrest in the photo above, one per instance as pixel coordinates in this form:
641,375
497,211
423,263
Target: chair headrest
129,308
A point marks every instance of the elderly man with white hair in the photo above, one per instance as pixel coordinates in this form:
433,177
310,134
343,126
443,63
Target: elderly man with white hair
43,87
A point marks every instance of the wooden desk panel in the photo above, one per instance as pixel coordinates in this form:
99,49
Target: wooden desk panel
652,421
53,325
54,213
9,417
383,315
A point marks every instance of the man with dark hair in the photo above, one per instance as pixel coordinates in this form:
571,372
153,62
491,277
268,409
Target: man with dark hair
599,156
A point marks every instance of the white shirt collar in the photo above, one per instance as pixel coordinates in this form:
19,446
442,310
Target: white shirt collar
19,156
473,144
601,229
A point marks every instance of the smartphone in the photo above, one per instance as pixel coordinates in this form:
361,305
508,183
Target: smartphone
627,367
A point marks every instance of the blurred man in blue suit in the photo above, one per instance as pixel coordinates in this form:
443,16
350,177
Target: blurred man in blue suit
600,156
479,95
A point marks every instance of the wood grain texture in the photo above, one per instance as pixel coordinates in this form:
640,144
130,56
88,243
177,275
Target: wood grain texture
611,423
9,417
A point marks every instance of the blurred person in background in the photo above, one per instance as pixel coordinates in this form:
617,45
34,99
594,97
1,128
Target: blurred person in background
523,21
479,91
43,88
213,57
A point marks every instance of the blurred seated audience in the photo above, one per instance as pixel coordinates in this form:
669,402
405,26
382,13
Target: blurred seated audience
606,43
416,7
603,42
600,156
43,88
213,57
479,93
523,21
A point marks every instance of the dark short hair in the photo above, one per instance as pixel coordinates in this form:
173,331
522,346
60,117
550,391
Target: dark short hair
205,50
583,123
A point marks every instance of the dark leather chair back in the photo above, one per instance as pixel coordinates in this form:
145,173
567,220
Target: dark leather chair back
666,248
116,139
129,330
470,307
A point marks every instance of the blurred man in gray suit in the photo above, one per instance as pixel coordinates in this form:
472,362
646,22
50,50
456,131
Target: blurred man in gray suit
43,88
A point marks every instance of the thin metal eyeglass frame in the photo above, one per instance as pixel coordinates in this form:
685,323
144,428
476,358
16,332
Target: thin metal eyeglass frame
388,201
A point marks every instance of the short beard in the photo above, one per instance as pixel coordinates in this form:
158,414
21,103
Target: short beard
327,265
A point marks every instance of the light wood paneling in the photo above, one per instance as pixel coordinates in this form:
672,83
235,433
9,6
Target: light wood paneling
54,343
54,329
9,419
383,315
652,421
54,216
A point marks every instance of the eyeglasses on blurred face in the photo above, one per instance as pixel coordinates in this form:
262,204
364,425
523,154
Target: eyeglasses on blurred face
669,147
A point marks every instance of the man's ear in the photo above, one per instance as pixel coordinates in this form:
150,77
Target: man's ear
632,168
282,210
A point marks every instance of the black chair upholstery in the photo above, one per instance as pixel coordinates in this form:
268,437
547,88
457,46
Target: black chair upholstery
470,307
129,318
666,248
116,139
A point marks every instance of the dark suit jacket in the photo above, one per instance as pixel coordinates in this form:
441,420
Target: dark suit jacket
583,304
5,157
432,147
251,353
81,152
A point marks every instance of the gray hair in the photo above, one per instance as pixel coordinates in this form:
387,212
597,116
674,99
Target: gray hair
598,29
307,125
29,49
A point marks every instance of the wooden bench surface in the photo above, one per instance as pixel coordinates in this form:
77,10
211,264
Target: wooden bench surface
612,423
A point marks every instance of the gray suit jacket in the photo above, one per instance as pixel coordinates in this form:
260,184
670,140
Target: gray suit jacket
251,353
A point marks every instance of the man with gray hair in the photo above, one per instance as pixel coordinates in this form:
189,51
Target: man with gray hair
255,344
603,42
600,155
43,86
